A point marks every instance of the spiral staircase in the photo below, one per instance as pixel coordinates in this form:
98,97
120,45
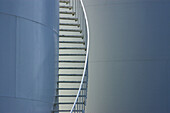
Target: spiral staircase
72,78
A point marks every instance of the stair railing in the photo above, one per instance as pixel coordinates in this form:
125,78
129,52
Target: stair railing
80,101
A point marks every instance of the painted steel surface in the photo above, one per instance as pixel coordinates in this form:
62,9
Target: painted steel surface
129,60
28,29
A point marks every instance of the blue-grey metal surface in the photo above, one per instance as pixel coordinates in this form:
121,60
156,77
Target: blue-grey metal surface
28,29
129,63
41,11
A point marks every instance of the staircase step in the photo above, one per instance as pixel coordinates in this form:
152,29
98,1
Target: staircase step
72,36
66,7
72,54
68,18
73,42
71,67
67,12
72,48
70,95
69,74
69,24
69,103
71,30
77,111
71,61
70,82
70,88
64,1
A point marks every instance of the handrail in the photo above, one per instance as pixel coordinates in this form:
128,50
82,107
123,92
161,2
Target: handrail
86,59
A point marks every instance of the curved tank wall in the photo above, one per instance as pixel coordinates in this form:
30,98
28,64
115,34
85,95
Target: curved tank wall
27,50
129,63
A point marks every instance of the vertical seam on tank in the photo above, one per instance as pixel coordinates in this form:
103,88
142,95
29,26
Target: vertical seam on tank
167,87
16,34
168,79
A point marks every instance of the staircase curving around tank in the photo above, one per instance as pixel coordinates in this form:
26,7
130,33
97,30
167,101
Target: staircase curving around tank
72,79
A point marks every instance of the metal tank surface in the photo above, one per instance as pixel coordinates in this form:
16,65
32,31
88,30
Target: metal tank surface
129,62
28,29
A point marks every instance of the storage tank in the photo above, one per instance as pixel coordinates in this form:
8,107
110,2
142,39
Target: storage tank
129,63
28,29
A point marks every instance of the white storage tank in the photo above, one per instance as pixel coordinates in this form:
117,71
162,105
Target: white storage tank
129,63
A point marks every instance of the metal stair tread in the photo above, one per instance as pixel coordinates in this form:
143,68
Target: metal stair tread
76,36
68,18
71,68
68,110
79,42
67,12
69,24
72,54
64,1
69,103
71,61
69,74
72,30
70,82
70,88
70,95
72,48
69,7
